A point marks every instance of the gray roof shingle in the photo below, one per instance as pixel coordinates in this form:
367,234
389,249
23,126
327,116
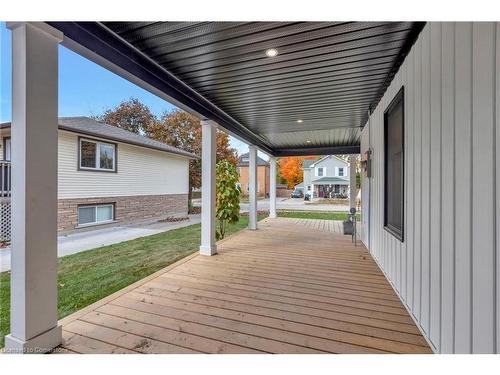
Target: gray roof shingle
87,126
244,162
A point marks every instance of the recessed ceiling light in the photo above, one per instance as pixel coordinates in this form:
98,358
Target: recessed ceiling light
271,52
308,141
299,121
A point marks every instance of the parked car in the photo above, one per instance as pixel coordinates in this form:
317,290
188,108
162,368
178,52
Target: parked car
297,193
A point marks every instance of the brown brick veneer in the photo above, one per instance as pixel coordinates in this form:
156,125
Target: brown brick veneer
128,209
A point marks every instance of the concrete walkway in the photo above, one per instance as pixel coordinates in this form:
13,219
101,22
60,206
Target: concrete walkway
81,241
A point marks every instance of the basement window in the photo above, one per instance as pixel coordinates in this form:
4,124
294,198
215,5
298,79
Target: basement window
394,166
96,214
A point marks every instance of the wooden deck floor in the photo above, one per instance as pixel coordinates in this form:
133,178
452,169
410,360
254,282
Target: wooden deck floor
333,226
281,289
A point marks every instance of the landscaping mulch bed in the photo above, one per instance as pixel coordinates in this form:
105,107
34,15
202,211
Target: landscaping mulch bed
195,210
263,213
172,219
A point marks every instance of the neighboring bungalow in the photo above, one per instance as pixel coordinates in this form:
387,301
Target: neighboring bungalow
263,174
327,177
107,175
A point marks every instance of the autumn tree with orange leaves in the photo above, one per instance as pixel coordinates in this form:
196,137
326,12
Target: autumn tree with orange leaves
183,130
291,169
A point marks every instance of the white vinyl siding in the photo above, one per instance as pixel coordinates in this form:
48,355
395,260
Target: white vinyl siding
140,171
447,269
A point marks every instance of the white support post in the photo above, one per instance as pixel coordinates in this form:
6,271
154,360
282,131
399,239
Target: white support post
208,160
33,319
272,187
352,181
252,187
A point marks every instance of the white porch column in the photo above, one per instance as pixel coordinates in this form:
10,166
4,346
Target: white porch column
208,160
352,181
33,319
272,187
252,187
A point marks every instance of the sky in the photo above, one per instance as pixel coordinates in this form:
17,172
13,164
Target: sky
85,88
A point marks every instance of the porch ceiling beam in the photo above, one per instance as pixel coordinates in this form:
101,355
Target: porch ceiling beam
304,151
334,71
99,40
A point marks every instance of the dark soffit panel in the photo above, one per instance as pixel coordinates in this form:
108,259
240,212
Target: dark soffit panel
326,76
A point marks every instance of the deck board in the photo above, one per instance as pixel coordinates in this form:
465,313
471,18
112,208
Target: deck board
280,289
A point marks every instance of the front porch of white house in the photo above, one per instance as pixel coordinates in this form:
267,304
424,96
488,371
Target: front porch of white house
420,103
330,187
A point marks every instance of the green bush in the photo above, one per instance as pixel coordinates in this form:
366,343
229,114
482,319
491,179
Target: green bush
227,196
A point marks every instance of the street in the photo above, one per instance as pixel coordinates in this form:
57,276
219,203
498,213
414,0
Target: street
294,204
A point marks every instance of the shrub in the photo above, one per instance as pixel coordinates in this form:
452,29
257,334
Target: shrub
227,196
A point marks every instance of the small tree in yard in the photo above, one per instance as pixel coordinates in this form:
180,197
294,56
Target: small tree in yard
227,196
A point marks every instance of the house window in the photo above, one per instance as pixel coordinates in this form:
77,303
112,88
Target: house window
96,155
394,166
98,214
341,172
308,187
320,172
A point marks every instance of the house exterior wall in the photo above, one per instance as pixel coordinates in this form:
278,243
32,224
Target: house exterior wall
263,179
365,191
148,184
307,178
330,164
140,171
127,209
447,269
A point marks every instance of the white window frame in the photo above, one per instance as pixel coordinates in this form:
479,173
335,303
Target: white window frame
343,172
95,206
97,155
322,171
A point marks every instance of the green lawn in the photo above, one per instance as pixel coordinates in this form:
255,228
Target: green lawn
324,215
89,276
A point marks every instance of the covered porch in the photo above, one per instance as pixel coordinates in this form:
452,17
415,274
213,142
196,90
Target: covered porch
281,289
286,89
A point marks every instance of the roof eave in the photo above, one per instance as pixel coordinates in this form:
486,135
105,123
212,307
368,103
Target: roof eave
181,153
185,154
